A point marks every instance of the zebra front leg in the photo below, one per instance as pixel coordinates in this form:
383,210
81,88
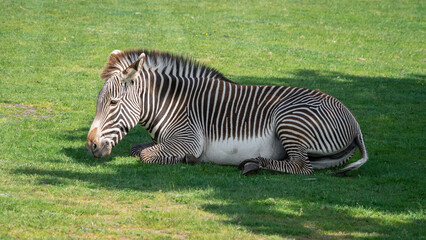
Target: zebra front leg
136,150
168,153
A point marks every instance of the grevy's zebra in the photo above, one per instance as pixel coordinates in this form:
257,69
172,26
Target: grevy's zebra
194,114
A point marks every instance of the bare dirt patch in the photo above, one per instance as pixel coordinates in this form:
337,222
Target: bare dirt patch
22,110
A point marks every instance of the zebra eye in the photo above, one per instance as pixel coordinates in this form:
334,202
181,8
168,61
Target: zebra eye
114,102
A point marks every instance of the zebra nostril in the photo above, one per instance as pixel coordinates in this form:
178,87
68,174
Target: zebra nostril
94,146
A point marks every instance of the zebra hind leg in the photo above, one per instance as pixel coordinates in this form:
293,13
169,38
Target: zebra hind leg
136,150
297,161
292,165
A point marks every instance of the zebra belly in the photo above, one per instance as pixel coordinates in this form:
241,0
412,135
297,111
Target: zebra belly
234,151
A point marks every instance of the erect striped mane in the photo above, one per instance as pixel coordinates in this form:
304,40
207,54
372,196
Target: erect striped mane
160,62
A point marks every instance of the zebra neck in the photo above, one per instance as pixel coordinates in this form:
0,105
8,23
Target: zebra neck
164,101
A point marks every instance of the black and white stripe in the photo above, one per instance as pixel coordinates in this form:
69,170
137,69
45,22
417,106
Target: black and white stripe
191,109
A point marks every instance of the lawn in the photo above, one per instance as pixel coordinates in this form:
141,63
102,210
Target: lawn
369,54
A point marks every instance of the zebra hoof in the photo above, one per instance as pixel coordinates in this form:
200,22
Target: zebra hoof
136,150
190,159
250,168
243,163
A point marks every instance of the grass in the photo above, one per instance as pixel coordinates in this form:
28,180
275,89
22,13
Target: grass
369,54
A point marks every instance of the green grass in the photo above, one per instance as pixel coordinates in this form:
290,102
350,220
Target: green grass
369,54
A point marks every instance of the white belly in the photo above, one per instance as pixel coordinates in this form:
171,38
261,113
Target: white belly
233,151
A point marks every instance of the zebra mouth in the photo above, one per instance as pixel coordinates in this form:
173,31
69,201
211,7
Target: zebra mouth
102,151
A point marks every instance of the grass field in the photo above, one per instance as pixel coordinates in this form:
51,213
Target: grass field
368,54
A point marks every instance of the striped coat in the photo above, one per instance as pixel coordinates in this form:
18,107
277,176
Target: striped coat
195,114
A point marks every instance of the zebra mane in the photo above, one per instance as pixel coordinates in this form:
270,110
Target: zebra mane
161,62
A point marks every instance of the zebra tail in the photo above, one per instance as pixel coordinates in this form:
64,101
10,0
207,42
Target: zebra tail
359,140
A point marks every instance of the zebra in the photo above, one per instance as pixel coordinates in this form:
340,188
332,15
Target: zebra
194,114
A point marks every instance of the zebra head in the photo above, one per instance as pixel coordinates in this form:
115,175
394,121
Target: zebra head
118,105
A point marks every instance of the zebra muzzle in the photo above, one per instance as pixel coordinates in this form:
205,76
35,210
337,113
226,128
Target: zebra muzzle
98,147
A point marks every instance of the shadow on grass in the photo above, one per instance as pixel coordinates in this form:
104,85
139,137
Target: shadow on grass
291,205
268,203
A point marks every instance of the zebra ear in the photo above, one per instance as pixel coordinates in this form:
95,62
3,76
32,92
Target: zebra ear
137,65
131,72
141,61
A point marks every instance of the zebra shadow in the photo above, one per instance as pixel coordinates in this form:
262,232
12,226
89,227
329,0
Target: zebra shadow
269,203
